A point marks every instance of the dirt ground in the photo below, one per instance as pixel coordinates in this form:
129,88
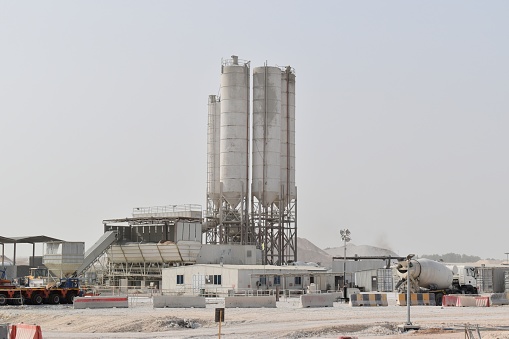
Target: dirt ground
288,320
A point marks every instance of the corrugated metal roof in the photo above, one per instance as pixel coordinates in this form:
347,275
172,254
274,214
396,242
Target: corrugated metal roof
27,239
267,267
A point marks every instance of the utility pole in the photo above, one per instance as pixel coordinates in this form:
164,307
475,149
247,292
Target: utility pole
345,236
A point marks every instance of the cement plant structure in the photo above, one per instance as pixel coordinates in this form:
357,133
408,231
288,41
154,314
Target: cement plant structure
251,191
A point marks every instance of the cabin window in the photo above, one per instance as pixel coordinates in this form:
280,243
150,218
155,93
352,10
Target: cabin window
213,279
180,279
217,279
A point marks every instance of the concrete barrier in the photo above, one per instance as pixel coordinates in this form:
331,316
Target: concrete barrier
368,299
250,302
464,300
25,331
161,301
100,302
317,300
499,299
4,331
417,299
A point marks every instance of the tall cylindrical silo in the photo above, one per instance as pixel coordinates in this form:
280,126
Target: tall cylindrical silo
234,131
266,147
213,150
288,134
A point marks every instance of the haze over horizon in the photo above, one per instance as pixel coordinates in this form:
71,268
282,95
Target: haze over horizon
401,114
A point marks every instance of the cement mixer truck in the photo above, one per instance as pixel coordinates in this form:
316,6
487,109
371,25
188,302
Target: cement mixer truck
429,276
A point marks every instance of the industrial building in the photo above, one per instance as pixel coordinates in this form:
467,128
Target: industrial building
251,194
245,240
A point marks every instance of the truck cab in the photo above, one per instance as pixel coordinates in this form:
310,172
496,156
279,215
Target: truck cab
464,278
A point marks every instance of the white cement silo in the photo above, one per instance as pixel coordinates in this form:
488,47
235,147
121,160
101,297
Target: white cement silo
213,150
266,150
288,134
234,131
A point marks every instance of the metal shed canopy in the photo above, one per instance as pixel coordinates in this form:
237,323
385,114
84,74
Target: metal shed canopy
35,239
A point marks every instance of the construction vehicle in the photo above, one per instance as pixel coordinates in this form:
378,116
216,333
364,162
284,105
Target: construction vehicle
61,292
429,276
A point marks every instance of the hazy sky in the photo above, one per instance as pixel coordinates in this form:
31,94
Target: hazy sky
402,114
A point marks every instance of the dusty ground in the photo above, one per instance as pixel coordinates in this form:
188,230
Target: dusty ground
140,320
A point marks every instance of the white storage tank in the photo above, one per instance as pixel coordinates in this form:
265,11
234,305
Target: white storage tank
213,150
266,133
288,134
234,131
63,258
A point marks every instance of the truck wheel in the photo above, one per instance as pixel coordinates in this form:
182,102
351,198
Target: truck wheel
36,299
70,297
3,300
438,299
54,298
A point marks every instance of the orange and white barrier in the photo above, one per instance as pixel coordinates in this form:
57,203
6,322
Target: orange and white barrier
482,301
25,331
460,300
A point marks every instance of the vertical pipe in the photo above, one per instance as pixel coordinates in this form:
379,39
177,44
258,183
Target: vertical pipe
295,223
288,131
33,255
408,294
264,162
245,223
242,224
286,197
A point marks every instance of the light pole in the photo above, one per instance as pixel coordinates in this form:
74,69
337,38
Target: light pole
345,236
507,260
408,301
408,325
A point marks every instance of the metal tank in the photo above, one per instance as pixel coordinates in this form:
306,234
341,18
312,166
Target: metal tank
63,258
288,134
427,272
234,131
266,133
213,150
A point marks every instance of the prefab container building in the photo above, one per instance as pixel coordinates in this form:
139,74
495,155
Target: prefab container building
491,279
248,279
375,280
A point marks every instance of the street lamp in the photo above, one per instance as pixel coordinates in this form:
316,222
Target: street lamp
345,236
408,301
408,325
